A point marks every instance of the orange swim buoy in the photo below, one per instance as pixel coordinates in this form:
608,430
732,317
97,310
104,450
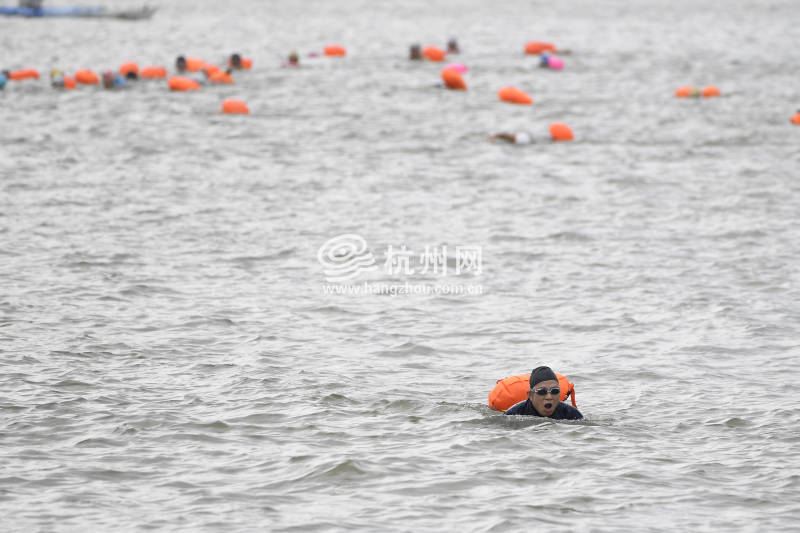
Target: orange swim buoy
181,83
235,107
69,83
560,132
333,50
193,64
514,389
153,72
24,74
453,80
513,95
130,66
87,77
795,119
210,70
247,63
538,47
220,76
433,53
710,91
684,91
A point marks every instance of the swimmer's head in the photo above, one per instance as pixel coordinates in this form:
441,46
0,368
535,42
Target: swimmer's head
452,46
293,57
56,78
415,52
108,79
544,60
2,80
236,60
131,75
180,64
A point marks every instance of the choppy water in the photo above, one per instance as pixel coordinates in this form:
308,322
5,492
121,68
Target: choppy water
171,362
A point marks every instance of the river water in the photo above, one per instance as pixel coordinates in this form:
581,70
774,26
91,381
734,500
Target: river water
174,359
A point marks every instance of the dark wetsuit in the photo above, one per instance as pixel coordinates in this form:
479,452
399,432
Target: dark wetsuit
563,411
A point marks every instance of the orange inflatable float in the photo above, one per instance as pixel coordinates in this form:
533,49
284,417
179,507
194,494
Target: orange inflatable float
24,74
180,83
210,70
433,53
193,64
561,132
538,47
710,91
333,50
130,66
514,96
795,119
235,107
220,76
153,72
685,91
514,389
453,80
87,77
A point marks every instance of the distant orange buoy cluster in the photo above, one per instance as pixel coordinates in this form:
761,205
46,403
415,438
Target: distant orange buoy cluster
687,91
513,95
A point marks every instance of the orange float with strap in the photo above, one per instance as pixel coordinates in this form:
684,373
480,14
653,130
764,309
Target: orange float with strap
333,50
220,76
710,91
453,80
235,107
561,132
514,389
87,77
795,119
513,95
24,74
130,66
193,64
538,47
433,53
153,72
181,83
210,69
69,83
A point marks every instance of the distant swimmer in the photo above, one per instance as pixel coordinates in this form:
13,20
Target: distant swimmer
415,52
294,60
544,398
452,47
56,79
180,64
3,80
513,138
112,80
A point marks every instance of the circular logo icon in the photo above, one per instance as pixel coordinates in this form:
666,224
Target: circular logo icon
344,257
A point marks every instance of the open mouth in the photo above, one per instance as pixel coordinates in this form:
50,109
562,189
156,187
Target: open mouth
548,405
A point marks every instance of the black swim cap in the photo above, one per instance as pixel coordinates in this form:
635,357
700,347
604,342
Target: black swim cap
542,373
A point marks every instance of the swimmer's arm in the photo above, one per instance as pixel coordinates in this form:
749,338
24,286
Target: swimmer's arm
510,137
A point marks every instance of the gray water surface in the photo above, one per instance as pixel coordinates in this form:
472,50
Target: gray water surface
170,360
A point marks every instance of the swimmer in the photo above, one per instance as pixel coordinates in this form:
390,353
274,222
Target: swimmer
112,80
294,60
180,64
235,61
513,138
131,75
56,79
3,80
544,398
415,52
452,47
